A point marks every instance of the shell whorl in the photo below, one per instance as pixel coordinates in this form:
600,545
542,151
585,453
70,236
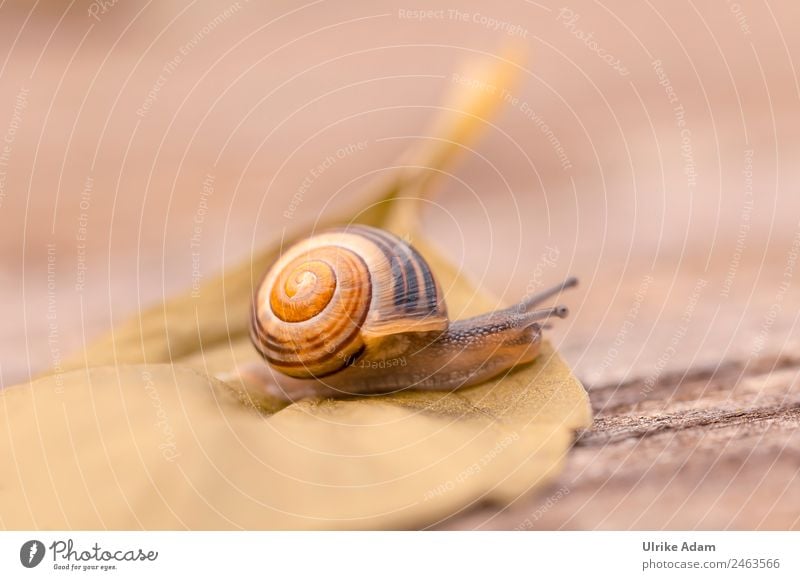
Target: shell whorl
326,295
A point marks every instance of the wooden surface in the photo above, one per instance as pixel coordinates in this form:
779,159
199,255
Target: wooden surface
684,329
714,448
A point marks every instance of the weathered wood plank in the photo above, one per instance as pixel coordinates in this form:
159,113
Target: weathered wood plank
706,448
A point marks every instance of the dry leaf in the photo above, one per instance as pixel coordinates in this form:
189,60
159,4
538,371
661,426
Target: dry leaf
159,447
168,446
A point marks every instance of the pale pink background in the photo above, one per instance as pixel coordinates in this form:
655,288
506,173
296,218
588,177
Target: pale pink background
277,87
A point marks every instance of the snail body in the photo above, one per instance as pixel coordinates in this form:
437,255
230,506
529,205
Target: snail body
359,311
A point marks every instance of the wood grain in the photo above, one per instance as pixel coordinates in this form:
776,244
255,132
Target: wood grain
705,449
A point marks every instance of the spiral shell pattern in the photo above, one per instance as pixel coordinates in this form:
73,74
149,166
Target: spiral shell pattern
327,295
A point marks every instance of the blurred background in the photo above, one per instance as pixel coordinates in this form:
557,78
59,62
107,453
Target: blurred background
649,148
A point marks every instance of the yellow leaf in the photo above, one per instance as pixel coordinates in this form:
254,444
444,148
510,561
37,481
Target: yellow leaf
169,446
164,447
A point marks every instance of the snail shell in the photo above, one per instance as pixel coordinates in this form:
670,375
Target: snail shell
326,296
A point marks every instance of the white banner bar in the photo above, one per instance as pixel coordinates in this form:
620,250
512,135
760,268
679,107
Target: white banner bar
406,555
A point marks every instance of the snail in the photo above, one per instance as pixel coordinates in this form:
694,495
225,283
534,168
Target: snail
357,310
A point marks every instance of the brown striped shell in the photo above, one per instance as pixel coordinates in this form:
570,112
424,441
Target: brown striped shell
327,295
